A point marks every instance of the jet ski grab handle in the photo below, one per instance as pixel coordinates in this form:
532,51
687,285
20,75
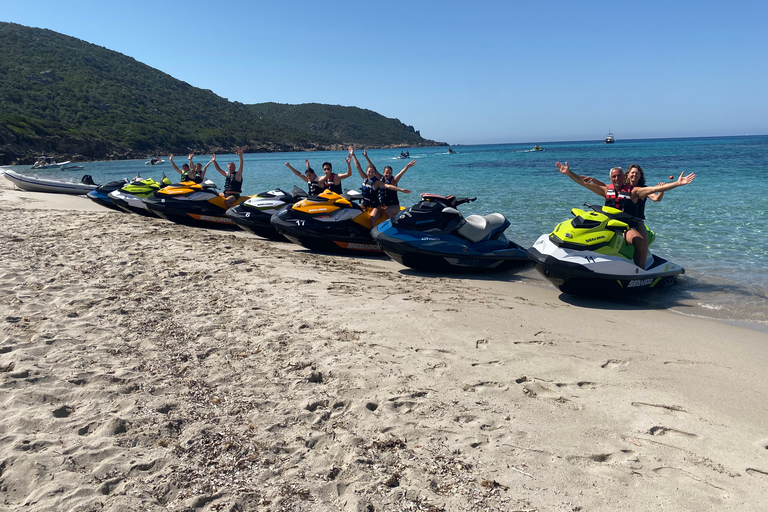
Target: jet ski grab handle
450,201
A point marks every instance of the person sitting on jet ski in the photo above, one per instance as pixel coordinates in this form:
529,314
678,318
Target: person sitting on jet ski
623,195
372,185
389,199
635,178
184,171
332,181
309,176
197,171
233,185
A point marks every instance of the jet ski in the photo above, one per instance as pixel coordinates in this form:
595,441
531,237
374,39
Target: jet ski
589,256
131,196
101,194
433,235
255,214
329,222
195,204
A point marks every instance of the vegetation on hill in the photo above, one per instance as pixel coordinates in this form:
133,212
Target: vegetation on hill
65,97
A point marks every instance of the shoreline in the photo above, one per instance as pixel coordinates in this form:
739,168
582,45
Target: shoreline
160,367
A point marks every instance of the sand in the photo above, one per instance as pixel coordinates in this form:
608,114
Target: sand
150,366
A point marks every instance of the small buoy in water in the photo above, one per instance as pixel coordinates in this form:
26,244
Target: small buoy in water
671,177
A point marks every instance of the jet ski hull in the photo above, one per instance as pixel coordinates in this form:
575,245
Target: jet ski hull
589,273
445,252
321,236
255,214
190,212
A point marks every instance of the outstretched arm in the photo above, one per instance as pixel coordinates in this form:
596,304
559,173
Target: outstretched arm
394,187
400,174
645,192
564,169
657,196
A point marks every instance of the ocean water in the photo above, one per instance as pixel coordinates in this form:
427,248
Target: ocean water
716,227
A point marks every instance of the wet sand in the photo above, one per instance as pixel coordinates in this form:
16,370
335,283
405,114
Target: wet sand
150,366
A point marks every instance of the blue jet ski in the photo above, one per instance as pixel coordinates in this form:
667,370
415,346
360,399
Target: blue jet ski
433,235
101,194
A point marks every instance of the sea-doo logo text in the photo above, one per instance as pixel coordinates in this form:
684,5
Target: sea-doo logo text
596,238
639,282
430,238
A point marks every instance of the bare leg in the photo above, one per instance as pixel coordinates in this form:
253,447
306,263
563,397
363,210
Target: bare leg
634,237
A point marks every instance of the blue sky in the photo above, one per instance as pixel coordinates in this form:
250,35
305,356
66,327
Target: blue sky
460,72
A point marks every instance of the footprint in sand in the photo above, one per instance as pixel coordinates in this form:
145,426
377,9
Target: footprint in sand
663,431
671,408
536,390
614,363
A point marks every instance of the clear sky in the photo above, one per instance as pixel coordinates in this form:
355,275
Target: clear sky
467,72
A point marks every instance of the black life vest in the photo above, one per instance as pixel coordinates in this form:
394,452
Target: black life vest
370,194
388,196
232,185
330,185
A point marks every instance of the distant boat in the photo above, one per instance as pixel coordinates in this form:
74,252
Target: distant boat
48,162
609,138
154,161
451,151
537,148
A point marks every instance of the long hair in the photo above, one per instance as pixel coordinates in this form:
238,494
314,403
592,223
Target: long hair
641,182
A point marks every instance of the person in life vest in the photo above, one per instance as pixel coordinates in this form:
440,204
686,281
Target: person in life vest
332,181
635,206
628,193
197,171
373,185
184,171
309,176
233,184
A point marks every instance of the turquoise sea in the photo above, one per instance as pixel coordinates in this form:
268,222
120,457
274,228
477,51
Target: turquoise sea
715,227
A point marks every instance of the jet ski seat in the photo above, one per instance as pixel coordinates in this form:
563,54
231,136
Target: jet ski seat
477,228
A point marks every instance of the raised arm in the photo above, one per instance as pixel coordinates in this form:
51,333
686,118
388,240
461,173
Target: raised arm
297,173
349,169
170,159
645,192
357,162
239,172
564,169
191,163
216,165
400,174
202,176
375,170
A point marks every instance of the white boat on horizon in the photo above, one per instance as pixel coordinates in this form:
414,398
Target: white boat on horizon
609,138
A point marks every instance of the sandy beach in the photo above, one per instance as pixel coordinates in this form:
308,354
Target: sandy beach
150,366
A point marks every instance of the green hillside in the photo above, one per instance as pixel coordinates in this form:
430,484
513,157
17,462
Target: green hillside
65,97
